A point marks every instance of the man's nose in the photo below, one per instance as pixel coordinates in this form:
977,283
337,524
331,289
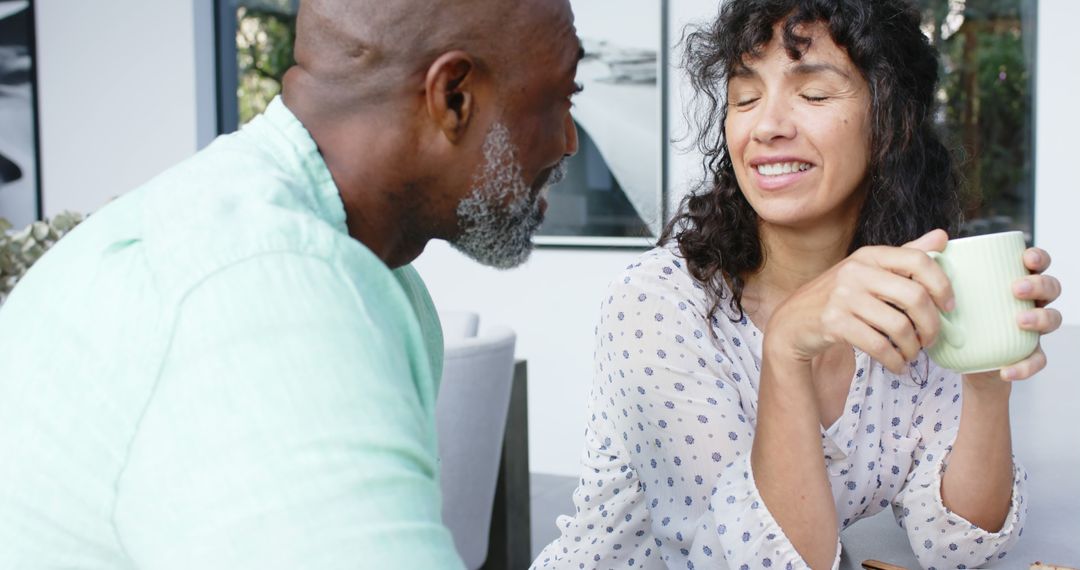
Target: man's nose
571,136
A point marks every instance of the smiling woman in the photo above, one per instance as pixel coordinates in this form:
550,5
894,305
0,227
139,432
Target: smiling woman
820,99
760,379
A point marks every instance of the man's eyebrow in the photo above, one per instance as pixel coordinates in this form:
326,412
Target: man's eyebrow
815,68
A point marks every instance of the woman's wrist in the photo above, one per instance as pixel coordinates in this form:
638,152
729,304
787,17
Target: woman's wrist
780,350
787,369
986,385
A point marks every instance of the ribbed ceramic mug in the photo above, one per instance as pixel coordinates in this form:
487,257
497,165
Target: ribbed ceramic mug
982,333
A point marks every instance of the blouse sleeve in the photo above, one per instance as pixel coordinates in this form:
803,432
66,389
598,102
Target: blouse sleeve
667,471
939,537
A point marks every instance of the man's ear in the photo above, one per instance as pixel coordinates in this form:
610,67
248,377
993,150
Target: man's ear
450,86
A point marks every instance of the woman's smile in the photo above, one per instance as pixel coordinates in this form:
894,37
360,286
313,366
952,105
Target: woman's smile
779,173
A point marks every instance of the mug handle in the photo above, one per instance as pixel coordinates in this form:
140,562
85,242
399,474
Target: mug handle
950,331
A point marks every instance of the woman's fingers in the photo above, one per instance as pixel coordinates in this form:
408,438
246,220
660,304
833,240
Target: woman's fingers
891,322
911,299
934,240
1026,368
917,266
1036,260
1042,321
1043,289
864,337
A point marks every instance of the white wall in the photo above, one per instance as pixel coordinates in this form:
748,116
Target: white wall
122,98
118,89
1057,188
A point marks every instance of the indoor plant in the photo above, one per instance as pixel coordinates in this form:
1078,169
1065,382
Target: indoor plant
19,250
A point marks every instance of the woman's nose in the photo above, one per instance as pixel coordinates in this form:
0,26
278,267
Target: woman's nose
773,122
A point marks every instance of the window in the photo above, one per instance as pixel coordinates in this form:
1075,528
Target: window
987,92
614,193
255,49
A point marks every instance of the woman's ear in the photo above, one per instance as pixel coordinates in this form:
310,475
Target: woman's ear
449,87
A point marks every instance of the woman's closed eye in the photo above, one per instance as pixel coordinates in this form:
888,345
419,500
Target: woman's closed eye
746,101
814,98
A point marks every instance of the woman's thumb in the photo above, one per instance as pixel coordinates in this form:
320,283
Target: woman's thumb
934,240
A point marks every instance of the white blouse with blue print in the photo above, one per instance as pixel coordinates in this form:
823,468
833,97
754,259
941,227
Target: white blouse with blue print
666,479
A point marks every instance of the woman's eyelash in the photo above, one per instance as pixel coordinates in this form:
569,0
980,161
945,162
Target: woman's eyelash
810,98
578,88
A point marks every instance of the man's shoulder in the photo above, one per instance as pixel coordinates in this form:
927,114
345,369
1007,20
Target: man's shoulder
228,204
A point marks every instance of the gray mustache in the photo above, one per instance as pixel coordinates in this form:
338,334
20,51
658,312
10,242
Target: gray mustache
558,173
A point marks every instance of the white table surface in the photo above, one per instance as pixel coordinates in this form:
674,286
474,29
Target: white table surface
1046,439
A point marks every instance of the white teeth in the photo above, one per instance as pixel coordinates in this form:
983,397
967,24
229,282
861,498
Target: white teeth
779,168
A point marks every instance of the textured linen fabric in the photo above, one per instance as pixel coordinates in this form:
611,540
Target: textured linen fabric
210,373
666,479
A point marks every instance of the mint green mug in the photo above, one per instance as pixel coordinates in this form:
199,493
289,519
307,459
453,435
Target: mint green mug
982,333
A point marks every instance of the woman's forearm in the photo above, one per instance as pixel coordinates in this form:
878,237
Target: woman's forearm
788,463
978,482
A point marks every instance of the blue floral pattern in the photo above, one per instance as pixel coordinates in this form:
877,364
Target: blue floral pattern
666,481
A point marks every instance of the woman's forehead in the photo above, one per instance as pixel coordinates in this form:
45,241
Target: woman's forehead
818,53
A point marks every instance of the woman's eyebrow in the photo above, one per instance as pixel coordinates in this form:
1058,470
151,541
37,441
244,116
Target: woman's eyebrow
743,71
802,68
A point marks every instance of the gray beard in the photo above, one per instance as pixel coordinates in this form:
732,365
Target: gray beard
499,217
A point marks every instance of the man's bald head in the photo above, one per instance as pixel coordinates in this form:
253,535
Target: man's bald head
420,106
364,51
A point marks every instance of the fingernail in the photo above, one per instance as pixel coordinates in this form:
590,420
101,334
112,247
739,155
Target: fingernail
1025,287
1027,318
950,305
1034,256
1008,374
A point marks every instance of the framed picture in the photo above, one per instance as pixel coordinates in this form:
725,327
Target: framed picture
614,191
614,194
20,201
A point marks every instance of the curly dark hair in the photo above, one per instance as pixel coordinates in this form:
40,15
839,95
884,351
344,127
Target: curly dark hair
912,183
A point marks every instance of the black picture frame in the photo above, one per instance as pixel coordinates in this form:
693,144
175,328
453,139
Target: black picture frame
20,139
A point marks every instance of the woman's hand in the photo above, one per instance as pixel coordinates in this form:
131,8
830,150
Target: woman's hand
882,300
1043,289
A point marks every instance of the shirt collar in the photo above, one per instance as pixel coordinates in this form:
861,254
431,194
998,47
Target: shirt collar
290,141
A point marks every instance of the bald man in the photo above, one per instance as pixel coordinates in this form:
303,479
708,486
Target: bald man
234,366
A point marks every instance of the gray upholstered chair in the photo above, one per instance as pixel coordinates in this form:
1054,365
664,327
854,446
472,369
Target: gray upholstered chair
459,324
471,411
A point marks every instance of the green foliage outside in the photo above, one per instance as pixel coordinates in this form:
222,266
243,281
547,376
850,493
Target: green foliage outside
265,33
986,99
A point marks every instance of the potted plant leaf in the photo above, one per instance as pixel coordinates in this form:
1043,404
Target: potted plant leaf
21,249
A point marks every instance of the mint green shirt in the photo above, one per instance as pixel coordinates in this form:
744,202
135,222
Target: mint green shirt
210,373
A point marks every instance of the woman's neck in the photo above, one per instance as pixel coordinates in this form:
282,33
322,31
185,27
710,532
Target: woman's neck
793,258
